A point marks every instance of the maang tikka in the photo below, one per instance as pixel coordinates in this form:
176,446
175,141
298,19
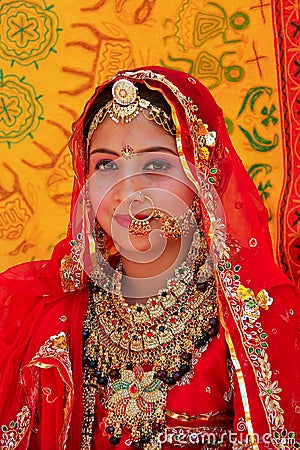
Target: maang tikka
125,105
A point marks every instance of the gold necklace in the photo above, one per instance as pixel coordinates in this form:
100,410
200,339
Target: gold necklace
134,354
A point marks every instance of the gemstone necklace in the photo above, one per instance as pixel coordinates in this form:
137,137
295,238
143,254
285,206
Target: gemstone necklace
134,354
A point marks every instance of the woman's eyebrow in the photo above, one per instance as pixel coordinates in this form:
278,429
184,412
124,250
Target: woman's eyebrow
104,150
143,150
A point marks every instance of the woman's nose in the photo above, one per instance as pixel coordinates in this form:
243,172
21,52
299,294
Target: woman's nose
127,187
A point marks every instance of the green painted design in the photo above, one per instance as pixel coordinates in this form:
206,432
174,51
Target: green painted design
266,116
28,32
207,67
269,114
252,95
257,169
257,142
229,125
20,109
195,26
263,186
239,21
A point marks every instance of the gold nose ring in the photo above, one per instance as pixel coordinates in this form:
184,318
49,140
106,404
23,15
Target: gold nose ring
140,227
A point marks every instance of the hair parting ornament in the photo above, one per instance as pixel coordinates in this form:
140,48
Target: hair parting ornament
125,105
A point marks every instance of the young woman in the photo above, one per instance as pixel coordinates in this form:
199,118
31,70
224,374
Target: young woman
162,319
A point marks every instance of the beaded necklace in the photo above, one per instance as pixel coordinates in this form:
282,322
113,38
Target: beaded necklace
134,354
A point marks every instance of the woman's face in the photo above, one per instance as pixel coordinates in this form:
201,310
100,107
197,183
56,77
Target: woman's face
118,183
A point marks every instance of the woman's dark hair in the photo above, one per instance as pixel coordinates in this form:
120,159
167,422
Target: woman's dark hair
153,96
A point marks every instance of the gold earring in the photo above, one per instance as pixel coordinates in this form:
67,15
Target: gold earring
140,227
170,226
101,240
176,227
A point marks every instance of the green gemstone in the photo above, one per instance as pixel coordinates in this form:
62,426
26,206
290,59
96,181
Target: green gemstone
269,391
258,351
211,180
263,335
264,345
277,435
228,265
237,268
4,428
291,434
220,268
251,350
72,242
12,424
251,304
213,170
236,277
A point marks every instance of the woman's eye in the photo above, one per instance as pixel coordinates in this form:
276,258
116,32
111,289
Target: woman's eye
157,165
106,165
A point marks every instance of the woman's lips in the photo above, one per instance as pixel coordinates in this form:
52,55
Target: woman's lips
124,220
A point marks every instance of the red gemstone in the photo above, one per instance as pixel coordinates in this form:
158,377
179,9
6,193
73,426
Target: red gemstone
125,335
153,303
114,322
149,334
133,389
172,320
104,303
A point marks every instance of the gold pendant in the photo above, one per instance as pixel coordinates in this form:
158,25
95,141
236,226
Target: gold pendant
137,401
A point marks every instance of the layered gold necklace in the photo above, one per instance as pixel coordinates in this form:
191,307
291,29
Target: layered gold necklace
134,354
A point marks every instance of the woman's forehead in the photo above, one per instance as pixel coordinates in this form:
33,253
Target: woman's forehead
140,134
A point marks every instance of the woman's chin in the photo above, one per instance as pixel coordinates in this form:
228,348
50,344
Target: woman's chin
143,249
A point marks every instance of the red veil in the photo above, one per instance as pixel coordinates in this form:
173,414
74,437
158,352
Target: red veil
41,318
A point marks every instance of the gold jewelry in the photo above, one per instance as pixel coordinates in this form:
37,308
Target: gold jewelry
175,227
101,239
170,226
126,105
127,151
134,354
140,227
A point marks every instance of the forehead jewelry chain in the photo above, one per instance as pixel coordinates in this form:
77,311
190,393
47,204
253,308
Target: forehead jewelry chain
125,105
